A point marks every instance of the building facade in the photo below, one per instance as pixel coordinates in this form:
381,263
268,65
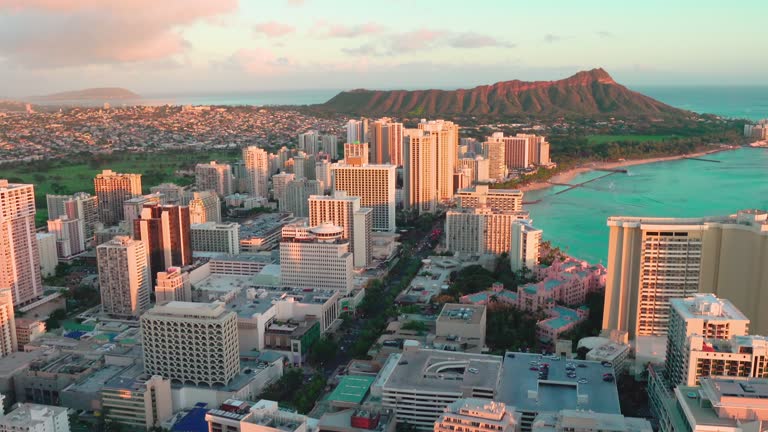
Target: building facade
112,189
173,285
297,195
214,176
345,211
524,246
419,171
374,184
257,171
19,255
216,237
124,277
315,257
165,232
204,207
506,200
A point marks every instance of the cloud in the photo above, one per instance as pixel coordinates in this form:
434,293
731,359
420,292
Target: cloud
423,40
296,2
273,29
64,33
342,31
256,61
605,34
552,38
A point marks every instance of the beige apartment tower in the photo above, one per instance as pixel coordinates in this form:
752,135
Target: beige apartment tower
257,171
8,342
653,260
279,183
112,189
495,153
191,343
173,285
19,255
80,205
214,176
446,137
419,171
374,184
204,207
355,222
124,277
524,247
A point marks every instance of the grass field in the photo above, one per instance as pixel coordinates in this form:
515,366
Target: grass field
67,177
601,139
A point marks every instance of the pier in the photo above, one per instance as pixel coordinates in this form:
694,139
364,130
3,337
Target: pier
574,186
613,170
702,159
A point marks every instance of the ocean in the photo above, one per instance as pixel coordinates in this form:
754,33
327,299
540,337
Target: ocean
576,219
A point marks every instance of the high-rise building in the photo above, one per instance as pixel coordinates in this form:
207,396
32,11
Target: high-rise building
357,131
279,183
216,237
495,153
478,415
214,176
330,145
419,171
297,193
48,253
356,153
323,174
19,255
8,342
204,207
80,205
446,137
304,166
124,277
477,231
164,230
132,208
374,184
70,236
653,260
112,190
170,193
524,247
538,149
309,142
702,315
345,211
257,171
508,200
173,285
315,257
478,167
191,343
517,152
386,141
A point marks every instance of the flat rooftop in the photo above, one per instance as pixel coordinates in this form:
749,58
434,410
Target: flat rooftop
558,391
707,307
441,370
690,402
456,313
351,389
97,380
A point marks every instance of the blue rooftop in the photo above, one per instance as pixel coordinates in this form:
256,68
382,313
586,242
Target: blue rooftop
552,284
478,297
194,421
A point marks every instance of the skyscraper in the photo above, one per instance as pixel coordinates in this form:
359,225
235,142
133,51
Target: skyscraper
356,153
297,193
191,343
478,231
309,142
70,236
112,189
80,205
357,131
344,211
124,277
8,343
524,247
279,183
446,137
653,260
19,256
495,153
374,184
164,230
257,171
385,138
419,172
214,176
497,199
170,193
330,145
315,257
204,207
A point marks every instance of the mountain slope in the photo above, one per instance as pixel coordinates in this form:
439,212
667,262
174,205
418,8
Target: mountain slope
591,92
104,93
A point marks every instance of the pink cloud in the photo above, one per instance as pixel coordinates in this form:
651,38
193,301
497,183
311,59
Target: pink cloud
51,33
342,31
273,29
258,61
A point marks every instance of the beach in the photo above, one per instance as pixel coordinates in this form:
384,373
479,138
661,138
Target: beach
567,176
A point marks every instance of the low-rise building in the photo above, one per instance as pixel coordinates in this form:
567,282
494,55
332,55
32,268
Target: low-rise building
262,416
137,400
28,330
29,417
478,415
216,237
463,325
588,421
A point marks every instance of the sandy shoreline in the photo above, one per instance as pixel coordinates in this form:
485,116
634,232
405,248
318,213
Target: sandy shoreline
567,176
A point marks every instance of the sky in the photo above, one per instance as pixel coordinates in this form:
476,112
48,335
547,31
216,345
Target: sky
197,47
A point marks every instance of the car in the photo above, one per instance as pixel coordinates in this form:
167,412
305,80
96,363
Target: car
534,368
606,364
581,365
582,381
608,378
473,370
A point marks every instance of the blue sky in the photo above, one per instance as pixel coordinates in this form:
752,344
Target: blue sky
230,45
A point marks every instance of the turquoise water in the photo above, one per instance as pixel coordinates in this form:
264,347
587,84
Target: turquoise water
683,188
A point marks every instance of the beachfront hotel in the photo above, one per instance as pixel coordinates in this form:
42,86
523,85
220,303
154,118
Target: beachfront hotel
653,260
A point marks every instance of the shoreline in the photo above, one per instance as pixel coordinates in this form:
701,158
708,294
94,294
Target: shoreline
567,176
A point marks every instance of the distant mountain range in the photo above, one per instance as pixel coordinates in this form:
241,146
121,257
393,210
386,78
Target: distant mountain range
90,94
591,92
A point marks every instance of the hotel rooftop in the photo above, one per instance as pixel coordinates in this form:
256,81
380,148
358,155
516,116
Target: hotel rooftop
707,307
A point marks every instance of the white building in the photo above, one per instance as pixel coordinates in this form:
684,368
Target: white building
279,183
262,416
309,142
47,250
214,176
70,236
191,343
216,237
330,145
137,400
19,257
478,415
204,207
510,200
374,184
315,257
297,194
29,417
345,211
124,277
171,194
357,131
478,231
80,205
524,247
173,285
257,171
